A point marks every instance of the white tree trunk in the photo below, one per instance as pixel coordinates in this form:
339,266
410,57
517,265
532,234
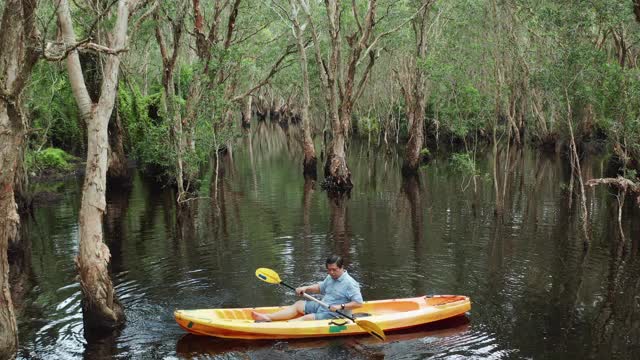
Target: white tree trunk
100,306
310,161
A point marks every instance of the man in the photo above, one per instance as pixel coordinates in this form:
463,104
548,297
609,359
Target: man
340,291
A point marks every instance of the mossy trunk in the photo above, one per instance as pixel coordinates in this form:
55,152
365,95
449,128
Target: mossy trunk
336,172
246,112
18,41
11,135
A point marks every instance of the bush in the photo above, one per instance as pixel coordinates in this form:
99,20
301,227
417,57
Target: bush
52,159
463,162
368,126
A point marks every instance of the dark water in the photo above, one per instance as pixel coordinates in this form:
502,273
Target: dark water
535,292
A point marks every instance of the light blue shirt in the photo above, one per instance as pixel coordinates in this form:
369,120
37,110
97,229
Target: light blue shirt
341,291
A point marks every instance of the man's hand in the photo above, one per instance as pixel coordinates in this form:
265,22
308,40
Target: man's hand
301,290
335,307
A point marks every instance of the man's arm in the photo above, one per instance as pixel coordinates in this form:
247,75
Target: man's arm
312,289
348,306
354,295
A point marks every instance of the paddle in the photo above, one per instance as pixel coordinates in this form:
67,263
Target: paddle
272,277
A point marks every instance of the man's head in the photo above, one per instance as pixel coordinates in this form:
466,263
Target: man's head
334,266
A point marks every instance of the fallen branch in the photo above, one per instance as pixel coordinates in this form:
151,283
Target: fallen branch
619,183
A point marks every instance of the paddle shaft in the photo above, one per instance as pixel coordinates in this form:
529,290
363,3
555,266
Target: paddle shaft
309,297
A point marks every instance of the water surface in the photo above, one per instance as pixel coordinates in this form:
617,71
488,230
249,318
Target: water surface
536,293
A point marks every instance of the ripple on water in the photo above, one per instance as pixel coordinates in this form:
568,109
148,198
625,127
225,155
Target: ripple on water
447,344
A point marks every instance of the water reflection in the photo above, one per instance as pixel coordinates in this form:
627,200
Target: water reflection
535,291
440,336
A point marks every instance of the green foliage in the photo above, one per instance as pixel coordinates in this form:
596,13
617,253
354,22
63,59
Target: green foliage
631,174
464,163
54,114
464,110
49,159
148,133
368,126
478,60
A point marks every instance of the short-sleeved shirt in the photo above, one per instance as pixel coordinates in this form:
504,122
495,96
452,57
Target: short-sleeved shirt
341,291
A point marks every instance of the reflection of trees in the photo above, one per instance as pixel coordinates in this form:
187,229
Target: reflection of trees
531,213
186,213
224,200
338,222
104,347
20,271
616,325
272,142
504,164
561,293
218,200
411,189
248,143
309,188
115,223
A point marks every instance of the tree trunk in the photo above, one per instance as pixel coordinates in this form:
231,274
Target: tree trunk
309,164
18,41
577,169
92,66
412,157
118,171
100,306
337,174
170,107
413,92
246,113
498,73
11,135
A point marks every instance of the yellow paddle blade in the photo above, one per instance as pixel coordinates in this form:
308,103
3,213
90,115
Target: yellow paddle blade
372,329
268,275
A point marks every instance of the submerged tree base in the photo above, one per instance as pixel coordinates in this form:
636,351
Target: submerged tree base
96,321
310,168
336,184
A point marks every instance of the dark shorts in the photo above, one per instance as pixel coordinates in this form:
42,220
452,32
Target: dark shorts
312,307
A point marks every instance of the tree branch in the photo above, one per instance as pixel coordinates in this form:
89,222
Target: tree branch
148,13
76,78
620,183
355,15
48,47
373,43
365,76
274,69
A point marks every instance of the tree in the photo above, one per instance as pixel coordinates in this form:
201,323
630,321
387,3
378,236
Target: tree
100,306
309,164
170,103
310,160
340,96
412,86
18,41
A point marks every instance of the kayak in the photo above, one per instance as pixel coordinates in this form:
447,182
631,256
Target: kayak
389,315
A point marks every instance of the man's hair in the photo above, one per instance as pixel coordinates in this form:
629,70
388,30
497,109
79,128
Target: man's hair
334,259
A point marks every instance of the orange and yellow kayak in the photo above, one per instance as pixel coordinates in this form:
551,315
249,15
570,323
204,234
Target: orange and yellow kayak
389,315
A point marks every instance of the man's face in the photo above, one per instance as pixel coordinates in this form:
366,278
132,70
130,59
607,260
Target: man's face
334,271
